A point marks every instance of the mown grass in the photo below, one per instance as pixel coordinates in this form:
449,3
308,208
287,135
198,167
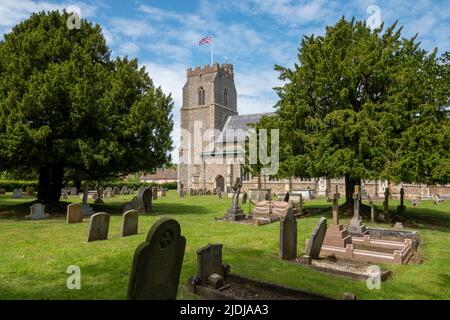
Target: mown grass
35,254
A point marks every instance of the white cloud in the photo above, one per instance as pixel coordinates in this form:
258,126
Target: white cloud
13,11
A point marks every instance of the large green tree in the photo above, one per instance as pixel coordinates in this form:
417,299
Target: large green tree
364,104
66,107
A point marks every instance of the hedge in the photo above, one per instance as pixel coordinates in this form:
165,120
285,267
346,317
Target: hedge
10,185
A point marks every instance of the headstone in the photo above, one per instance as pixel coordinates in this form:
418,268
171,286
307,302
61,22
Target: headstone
129,223
37,212
87,209
64,193
209,262
356,225
316,240
219,192
98,227
73,191
99,195
157,262
244,198
288,236
116,190
398,226
414,202
235,212
373,212
74,213
17,193
181,190
123,190
147,199
401,209
336,235
286,197
155,193
386,200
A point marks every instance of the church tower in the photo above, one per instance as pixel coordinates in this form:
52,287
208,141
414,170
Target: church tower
209,98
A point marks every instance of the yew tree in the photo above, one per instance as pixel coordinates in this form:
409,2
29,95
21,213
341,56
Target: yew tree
364,104
67,107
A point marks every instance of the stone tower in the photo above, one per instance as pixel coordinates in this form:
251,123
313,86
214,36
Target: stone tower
209,98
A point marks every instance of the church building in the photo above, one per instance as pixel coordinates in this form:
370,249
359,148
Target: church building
212,143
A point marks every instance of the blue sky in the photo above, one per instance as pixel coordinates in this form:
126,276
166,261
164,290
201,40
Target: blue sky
253,35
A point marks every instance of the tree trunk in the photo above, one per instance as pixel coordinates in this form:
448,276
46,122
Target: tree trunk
350,183
50,183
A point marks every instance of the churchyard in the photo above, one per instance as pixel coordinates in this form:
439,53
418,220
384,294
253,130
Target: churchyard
37,253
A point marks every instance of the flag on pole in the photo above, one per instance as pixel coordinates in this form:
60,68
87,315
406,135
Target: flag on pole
205,40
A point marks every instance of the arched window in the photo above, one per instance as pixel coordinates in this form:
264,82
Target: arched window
225,97
201,96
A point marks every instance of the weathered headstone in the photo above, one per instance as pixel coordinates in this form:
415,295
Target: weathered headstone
286,197
98,227
157,262
219,192
356,225
146,198
209,262
37,212
64,193
74,213
386,201
17,193
373,212
155,193
288,236
235,212
244,198
401,209
129,223
316,240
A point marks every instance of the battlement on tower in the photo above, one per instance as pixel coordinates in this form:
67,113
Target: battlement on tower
225,68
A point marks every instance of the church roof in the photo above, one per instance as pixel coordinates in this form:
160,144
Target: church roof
231,132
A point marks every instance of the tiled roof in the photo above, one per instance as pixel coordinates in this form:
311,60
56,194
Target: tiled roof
230,130
162,174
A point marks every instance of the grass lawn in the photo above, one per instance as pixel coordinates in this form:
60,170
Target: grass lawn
35,254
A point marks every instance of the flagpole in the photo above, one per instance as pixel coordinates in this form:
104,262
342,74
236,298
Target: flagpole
212,52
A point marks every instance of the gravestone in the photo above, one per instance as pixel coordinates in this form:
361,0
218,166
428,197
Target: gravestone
129,223
116,190
288,236
209,262
17,193
74,213
356,226
123,190
336,235
386,201
157,262
219,192
316,240
181,190
98,227
99,195
373,212
37,212
64,193
244,198
155,193
235,212
286,197
146,199
73,191
401,209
